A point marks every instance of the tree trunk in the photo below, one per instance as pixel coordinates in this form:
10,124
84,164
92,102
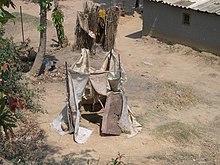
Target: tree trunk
36,68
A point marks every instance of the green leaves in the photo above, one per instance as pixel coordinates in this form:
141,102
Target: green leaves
5,16
117,160
7,122
14,87
7,56
57,16
41,28
7,3
45,4
7,119
2,101
58,19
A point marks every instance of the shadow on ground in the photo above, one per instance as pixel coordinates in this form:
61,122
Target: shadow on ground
135,35
30,147
82,158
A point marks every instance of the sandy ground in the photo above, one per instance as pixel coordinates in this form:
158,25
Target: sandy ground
173,90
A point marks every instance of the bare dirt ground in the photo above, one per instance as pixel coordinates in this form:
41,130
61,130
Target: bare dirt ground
173,90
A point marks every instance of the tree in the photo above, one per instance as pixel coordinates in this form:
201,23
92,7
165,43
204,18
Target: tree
5,15
44,7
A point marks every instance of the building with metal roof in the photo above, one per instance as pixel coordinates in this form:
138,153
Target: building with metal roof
195,23
209,6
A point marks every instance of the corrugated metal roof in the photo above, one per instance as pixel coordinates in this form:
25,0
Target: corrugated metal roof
210,6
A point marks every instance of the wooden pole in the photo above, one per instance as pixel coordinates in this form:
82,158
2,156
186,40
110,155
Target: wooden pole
119,65
69,110
22,25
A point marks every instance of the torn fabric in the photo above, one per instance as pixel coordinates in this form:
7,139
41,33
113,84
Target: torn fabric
87,84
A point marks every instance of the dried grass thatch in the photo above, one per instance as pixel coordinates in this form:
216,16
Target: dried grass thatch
111,25
83,40
91,28
86,27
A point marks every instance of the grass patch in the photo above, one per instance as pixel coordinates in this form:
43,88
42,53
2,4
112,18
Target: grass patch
31,20
177,96
177,132
149,114
142,119
214,75
157,157
208,58
216,122
183,157
27,18
211,59
177,157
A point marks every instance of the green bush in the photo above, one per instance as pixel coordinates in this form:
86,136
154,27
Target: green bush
58,19
15,93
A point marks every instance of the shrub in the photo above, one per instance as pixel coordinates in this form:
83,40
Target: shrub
58,18
15,93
